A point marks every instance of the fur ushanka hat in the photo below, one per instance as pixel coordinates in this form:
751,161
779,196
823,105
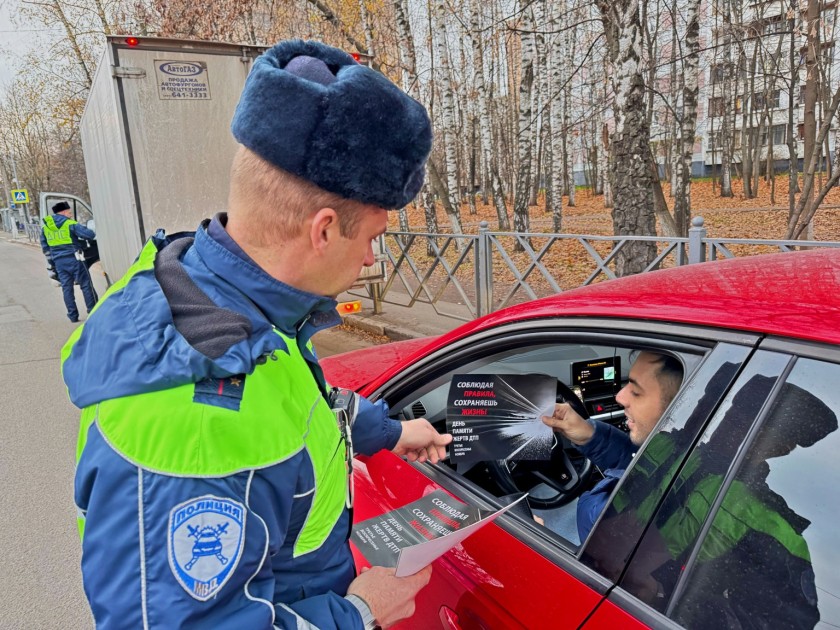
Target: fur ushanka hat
313,111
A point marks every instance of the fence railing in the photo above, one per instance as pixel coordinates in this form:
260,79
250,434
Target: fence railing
29,231
489,270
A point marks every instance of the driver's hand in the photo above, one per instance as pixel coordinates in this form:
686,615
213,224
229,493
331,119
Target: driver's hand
568,422
420,442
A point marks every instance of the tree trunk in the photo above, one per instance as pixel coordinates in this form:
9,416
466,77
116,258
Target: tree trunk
682,199
405,46
431,217
557,64
444,81
604,165
521,220
633,212
804,212
811,146
727,122
568,163
676,86
540,97
484,123
793,155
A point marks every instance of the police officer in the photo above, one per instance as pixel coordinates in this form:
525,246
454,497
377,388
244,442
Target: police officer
60,238
212,476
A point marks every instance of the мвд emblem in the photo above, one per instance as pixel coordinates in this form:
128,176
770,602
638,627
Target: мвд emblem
205,543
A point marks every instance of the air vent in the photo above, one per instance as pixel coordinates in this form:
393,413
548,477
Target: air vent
418,410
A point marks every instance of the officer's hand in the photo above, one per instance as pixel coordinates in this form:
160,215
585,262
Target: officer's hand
420,441
567,421
51,269
390,598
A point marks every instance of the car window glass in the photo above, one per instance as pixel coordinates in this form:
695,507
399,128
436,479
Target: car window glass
614,537
769,557
501,478
656,565
83,215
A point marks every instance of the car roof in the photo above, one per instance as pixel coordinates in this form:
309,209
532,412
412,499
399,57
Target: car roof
792,294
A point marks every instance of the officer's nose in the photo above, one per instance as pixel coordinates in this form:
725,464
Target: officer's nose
369,256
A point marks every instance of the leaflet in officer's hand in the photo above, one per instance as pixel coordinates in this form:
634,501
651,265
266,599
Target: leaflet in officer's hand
498,416
416,534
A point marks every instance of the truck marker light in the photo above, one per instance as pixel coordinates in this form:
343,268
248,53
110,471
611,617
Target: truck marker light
346,308
132,41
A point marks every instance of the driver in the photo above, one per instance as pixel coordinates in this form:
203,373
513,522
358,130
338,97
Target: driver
654,381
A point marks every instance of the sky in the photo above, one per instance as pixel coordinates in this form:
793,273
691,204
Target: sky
15,41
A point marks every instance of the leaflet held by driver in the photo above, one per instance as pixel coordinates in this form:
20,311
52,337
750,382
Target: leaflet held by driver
499,416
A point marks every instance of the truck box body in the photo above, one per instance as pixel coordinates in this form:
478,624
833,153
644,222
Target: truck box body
156,138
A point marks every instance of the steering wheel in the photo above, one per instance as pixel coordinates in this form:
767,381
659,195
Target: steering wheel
566,473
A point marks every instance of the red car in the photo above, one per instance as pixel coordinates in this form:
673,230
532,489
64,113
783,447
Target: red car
727,515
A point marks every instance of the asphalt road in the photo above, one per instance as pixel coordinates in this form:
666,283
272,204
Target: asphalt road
40,582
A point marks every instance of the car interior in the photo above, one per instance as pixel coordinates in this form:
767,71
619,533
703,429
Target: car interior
588,375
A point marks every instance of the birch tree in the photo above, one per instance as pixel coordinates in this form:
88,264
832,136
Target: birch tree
540,124
812,84
484,121
408,75
521,219
727,126
569,43
556,110
444,82
631,175
688,118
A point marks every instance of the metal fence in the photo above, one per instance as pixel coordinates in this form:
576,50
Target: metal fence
489,270
29,231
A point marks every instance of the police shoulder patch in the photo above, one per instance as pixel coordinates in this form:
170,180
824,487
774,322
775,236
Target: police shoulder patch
205,540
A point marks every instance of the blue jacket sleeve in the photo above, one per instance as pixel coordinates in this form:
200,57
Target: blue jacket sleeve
373,430
81,232
592,503
44,247
610,447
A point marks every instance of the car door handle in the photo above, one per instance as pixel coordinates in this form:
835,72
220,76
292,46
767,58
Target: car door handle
449,618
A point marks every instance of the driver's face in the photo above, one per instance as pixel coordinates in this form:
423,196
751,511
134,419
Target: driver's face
642,397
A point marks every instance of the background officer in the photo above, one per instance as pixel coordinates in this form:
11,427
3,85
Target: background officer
60,238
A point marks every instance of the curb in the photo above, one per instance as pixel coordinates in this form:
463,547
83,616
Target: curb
394,333
19,241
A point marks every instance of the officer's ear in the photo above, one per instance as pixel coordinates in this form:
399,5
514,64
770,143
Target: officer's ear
324,229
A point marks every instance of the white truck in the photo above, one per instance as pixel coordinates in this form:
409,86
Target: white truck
156,140
157,144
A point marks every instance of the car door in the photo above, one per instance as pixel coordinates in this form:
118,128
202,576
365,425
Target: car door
517,574
746,534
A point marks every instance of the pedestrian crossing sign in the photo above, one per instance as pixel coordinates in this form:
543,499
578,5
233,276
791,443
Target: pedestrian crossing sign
20,196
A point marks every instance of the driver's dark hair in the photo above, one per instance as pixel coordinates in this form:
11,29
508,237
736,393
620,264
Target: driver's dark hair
669,373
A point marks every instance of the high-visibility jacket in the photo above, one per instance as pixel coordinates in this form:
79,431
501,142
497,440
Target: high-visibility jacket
211,474
60,236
